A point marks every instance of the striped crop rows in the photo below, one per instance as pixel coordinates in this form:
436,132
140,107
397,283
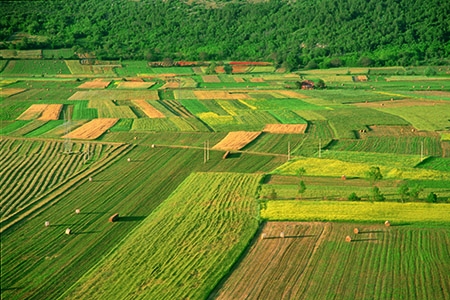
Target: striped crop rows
193,238
31,167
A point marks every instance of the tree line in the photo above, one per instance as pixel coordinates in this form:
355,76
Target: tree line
293,34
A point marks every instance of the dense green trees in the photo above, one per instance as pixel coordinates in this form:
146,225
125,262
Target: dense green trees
295,33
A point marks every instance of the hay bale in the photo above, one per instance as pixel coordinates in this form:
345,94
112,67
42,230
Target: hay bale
263,236
153,146
343,177
356,230
114,218
90,179
282,235
47,223
387,223
128,159
135,137
77,211
348,239
68,231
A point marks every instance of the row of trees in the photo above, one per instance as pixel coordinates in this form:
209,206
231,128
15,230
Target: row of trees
374,175
317,33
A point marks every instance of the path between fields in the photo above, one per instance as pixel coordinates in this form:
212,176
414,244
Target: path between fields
235,151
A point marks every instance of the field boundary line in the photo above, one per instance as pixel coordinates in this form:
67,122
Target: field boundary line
236,151
60,140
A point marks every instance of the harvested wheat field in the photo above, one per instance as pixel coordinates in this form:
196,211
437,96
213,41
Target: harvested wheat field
92,129
285,128
205,95
291,94
211,78
313,261
236,140
135,85
171,85
403,103
51,112
239,79
33,112
95,84
149,110
115,95
6,92
257,79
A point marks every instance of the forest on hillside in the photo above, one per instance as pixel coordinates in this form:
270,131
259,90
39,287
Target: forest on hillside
315,33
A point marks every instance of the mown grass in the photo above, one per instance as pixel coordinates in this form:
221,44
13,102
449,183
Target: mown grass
34,256
189,245
429,117
348,211
315,262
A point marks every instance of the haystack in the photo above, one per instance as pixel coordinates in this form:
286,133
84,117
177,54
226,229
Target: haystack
68,231
356,230
282,235
387,223
348,239
263,236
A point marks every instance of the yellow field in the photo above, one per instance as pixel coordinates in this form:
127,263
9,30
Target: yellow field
257,79
92,129
33,112
236,140
204,95
6,92
95,84
239,79
291,94
285,128
134,85
149,110
51,112
210,78
393,212
337,168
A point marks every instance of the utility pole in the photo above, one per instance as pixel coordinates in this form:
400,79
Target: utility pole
320,148
289,151
421,151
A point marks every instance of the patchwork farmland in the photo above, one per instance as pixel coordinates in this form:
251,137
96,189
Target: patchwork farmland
226,186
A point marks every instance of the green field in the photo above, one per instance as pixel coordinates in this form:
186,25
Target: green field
191,219
190,244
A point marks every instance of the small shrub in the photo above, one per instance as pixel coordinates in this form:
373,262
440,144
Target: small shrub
432,198
353,197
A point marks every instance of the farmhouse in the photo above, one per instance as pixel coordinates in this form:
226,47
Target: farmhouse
307,85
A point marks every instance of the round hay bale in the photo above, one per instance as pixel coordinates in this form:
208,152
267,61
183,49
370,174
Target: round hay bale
387,223
356,230
128,159
153,146
135,137
348,239
282,235
77,211
68,231
263,236
90,179
343,177
47,223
